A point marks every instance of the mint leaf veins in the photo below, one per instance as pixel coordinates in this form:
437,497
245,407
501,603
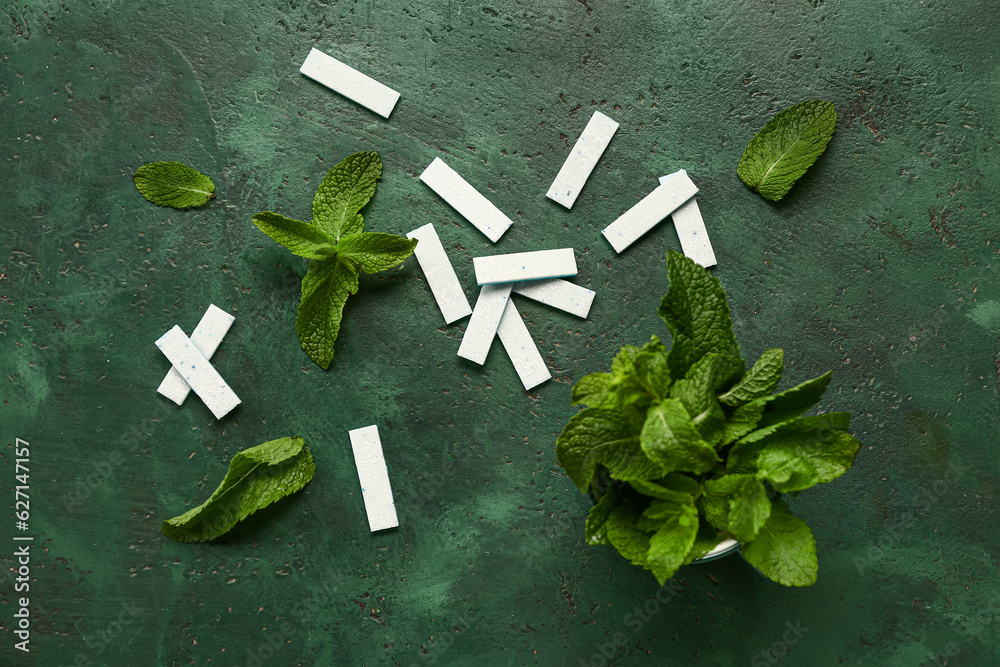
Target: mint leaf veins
787,146
339,248
257,477
173,184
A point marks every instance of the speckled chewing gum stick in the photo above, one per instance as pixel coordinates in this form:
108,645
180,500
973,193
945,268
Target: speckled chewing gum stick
198,372
518,266
206,337
582,159
674,190
374,476
349,82
558,293
465,199
691,232
440,274
484,322
521,348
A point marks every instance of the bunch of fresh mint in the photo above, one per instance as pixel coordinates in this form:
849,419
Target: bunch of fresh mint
685,448
339,248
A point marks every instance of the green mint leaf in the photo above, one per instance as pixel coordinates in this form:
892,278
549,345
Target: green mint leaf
784,549
711,424
759,381
670,544
768,412
716,511
600,390
325,289
787,146
697,391
621,531
696,311
345,190
678,488
635,373
299,237
256,478
670,438
744,504
795,401
742,421
173,184
597,436
598,517
372,252
797,463
744,453
651,369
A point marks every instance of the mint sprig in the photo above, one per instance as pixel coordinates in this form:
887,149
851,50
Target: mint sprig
338,247
685,448
257,477
173,184
786,147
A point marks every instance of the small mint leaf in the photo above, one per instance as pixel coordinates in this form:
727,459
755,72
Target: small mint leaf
598,517
638,375
697,313
670,544
345,190
743,454
743,420
325,289
652,370
621,531
610,438
743,502
372,252
759,381
256,478
173,184
786,147
299,237
795,464
795,401
671,439
784,549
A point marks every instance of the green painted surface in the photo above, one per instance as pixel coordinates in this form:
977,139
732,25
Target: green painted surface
877,265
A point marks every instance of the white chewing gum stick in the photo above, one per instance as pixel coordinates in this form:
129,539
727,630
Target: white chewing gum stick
674,190
521,348
691,232
558,293
484,322
582,159
206,337
520,266
440,274
465,199
374,477
349,82
198,372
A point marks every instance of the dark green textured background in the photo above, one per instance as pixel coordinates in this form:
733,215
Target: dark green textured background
877,265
